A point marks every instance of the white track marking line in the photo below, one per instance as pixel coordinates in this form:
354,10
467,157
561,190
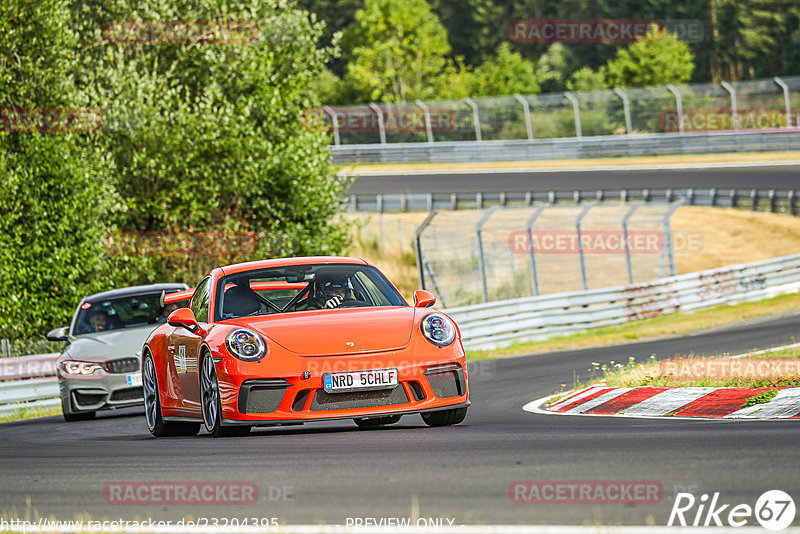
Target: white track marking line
765,351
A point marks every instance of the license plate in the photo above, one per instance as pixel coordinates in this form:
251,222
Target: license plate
359,380
134,380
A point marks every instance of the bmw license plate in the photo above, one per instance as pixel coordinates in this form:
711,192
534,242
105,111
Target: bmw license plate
359,380
134,380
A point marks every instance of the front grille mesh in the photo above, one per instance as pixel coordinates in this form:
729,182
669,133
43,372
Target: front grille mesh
444,385
358,399
87,398
127,394
263,400
122,365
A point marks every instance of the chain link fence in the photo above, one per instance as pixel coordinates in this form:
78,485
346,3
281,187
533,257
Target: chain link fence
772,104
502,253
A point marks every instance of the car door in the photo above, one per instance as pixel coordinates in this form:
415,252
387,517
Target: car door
185,349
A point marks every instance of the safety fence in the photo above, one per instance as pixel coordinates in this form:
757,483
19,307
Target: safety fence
28,382
771,200
662,144
466,257
766,104
502,323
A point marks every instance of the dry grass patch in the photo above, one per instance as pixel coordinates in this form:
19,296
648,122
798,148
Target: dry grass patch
743,157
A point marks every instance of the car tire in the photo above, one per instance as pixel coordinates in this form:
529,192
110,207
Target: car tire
211,405
152,406
445,417
70,416
367,422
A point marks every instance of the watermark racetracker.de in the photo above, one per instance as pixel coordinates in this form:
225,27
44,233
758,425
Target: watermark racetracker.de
704,120
395,120
601,30
51,120
213,243
206,32
570,241
586,492
192,493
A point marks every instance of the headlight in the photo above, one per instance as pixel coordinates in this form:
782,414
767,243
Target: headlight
438,329
246,345
80,368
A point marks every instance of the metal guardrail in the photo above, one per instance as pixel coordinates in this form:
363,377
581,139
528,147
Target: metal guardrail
569,147
771,200
28,382
501,323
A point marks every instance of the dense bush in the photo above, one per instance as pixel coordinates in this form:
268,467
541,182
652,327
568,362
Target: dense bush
200,136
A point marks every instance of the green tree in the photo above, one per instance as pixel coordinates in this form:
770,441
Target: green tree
54,194
657,60
397,51
553,67
586,79
506,73
209,137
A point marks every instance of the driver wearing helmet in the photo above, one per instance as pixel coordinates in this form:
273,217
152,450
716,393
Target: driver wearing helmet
330,291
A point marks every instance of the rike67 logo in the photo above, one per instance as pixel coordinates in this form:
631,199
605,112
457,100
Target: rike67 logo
774,510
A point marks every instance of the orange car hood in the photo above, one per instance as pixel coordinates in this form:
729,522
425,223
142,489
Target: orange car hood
339,331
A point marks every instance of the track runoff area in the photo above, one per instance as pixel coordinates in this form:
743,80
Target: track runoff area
502,470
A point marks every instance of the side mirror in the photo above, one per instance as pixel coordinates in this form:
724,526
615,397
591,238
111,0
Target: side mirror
185,318
57,334
423,299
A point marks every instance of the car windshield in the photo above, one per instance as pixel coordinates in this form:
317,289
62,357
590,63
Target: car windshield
124,312
301,288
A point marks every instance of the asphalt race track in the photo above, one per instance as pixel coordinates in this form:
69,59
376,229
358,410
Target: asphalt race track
334,471
778,176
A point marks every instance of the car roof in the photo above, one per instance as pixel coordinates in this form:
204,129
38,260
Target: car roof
281,262
134,290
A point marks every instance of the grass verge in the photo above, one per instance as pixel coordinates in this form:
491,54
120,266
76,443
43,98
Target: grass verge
652,328
30,413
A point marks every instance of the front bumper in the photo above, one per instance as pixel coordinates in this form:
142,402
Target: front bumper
434,382
102,393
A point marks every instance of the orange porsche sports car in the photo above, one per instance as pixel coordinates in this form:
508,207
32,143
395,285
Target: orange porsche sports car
288,341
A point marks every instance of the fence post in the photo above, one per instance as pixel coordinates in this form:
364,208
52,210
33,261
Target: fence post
476,118
628,261
381,127
668,250
418,246
678,105
576,111
786,101
527,108
427,113
791,202
529,228
578,220
481,262
625,108
734,110
334,119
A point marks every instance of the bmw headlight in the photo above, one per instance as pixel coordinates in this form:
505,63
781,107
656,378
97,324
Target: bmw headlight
438,329
80,368
246,345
